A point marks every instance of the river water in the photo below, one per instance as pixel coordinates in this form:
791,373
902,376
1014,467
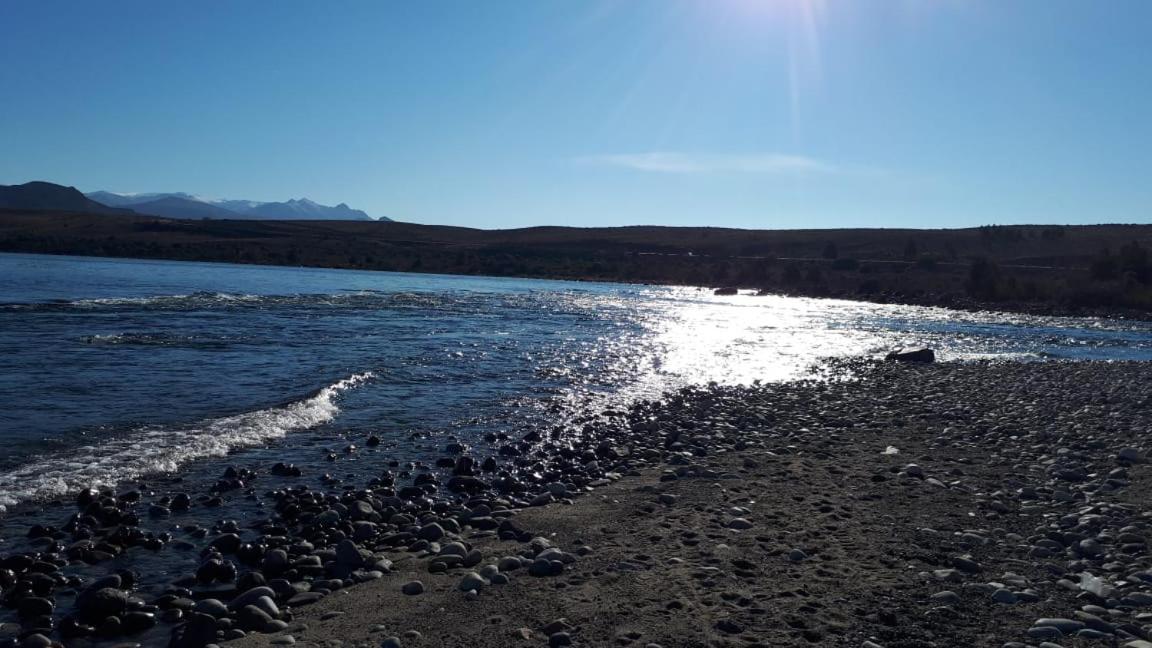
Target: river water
112,370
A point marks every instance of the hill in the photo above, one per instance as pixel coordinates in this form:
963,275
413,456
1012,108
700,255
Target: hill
1101,269
48,196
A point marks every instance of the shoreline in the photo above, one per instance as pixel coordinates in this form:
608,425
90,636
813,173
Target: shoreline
740,516
838,543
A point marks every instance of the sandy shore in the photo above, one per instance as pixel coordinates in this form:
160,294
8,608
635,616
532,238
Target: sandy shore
772,516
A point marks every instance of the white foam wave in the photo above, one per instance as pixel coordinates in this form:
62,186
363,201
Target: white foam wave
154,450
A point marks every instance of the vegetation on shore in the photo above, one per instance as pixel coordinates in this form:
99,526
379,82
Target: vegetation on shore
1098,269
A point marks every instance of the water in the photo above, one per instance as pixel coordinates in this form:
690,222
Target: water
115,369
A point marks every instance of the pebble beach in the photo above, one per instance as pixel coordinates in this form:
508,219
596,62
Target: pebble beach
887,504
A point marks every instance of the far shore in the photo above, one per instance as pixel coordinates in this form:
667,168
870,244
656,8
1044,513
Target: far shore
1039,270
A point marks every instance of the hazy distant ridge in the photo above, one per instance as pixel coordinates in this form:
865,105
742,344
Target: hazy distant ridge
183,205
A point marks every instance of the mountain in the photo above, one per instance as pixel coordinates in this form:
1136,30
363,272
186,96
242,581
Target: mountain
304,209
127,200
174,206
52,197
238,206
188,206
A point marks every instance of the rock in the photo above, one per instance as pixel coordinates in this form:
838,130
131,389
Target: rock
1065,626
945,598
739,524
1044,632
797,556
472,581
950,575
1138,599
413,588
431,532
327,518
36,640
1004,596
546,568
559,639
249,597
918,355
251,617
198,631
453,549
102,603
266,604
1131,455
34,606
391,642
1089,547
211,607
136,622
966,564
509,563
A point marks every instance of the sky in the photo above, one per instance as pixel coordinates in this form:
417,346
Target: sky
511,113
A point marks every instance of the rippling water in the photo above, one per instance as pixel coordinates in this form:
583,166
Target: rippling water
113,369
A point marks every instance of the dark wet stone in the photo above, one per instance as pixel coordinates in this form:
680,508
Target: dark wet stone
134,622
96,605
34,606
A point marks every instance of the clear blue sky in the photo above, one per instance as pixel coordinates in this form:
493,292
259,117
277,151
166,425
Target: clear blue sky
746,113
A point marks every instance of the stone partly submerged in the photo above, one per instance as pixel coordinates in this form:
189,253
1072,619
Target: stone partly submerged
917,355
725,291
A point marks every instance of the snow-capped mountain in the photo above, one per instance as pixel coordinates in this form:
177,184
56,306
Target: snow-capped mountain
183,205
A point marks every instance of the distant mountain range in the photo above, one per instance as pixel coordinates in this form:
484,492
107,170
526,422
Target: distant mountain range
53,197
182,205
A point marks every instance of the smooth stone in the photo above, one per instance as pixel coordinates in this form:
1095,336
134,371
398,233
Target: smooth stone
1004,596
1066,626
249,597
472,581
211,607
945,598
413,588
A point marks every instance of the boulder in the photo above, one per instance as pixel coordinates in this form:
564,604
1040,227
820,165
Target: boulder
918,355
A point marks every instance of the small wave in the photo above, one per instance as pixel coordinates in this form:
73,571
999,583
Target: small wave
233,301
160,339
154,450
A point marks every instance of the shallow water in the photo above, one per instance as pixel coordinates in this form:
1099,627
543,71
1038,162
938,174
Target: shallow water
111,369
